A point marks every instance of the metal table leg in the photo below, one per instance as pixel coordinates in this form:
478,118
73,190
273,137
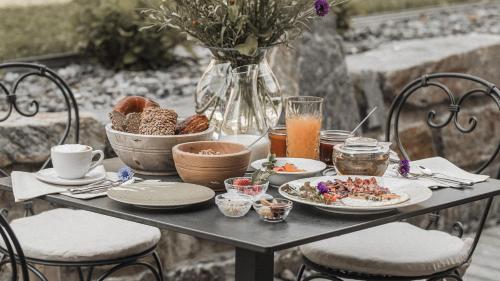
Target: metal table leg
254,266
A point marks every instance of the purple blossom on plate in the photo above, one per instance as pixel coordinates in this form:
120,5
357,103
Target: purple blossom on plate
404,167
322,188
125,173
322,7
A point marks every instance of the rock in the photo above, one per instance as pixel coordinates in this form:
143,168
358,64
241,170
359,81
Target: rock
399,63
322,72
367,86
27,141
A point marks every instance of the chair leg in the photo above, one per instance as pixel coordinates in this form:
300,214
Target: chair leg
89,273
301,272
37,272
80,273
124,265
446,277
158,265
321,276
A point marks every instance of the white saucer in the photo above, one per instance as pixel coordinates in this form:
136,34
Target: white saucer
50,176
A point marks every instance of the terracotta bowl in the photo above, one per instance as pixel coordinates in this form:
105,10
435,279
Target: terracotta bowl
150,155
210,170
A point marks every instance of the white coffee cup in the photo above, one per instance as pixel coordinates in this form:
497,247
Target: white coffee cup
73,161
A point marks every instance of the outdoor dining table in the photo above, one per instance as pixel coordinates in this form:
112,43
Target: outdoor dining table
256,241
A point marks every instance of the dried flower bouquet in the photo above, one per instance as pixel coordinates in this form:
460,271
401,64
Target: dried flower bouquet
237,29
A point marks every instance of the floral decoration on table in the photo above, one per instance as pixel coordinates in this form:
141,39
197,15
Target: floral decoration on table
125,173
404,168
242,26
267,170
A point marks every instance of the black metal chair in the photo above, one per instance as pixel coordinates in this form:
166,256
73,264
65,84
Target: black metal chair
12,249
332,271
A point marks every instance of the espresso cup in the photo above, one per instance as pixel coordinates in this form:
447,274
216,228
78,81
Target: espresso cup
73,161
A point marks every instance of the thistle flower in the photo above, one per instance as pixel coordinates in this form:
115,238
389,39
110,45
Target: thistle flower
322,7
322,188
125,173
404,167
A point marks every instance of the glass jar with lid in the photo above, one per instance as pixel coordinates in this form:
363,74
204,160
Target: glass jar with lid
362,156
328,139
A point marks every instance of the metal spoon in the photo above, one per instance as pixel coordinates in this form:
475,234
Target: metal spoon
364,120
259,138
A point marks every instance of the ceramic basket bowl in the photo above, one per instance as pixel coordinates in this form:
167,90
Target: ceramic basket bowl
150,155
210,170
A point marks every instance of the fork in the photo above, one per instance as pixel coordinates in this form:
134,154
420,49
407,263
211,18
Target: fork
99,186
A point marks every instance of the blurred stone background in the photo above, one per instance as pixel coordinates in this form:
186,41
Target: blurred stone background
365,64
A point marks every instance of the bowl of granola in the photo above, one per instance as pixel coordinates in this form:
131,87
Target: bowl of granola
210,163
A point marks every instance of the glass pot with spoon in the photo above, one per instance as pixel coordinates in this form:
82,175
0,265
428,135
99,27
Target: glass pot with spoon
362,156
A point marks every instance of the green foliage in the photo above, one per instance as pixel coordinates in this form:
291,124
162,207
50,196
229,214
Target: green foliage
343,15
36,30
110,33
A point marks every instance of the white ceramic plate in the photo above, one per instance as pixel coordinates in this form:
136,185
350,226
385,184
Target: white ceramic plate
311,167
417,194
50,176
161,195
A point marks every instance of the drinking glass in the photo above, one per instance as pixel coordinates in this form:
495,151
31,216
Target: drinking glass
303,126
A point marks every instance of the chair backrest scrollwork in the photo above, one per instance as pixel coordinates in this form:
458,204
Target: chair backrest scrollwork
37,70
481,87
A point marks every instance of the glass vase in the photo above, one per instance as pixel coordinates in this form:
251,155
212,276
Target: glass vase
244,113
244,118
212,90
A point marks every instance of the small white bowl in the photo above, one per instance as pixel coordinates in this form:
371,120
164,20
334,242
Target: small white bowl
311,167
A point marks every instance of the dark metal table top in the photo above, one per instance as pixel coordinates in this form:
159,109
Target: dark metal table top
305,223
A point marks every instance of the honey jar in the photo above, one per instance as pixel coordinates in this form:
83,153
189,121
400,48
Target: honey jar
277,138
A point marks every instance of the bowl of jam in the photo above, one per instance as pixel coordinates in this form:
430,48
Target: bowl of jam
328,139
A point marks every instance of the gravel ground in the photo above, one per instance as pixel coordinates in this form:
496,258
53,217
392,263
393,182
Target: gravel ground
97,89
480,18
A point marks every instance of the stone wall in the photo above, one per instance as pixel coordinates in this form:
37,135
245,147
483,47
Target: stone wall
380,74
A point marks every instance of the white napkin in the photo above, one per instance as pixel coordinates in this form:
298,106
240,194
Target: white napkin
437,165
26,186
443,166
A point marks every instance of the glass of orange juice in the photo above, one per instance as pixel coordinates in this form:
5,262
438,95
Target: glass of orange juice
303,125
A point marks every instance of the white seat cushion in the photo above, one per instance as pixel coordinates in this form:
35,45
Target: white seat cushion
76,235
396,249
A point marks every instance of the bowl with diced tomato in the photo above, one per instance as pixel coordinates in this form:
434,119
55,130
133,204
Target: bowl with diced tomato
244,185
290,169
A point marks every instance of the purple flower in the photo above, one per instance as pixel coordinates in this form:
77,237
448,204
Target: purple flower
125,174
322,188
404,167
322,7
